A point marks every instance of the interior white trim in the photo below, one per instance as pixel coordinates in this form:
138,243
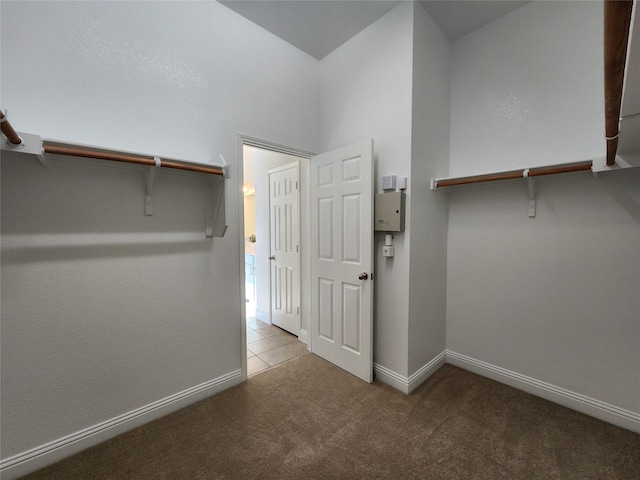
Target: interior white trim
575,401
275,147
261,314
304,336
39,457
408,384
581,403
426,371
388,376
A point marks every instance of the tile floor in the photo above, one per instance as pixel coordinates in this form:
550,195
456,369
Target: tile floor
268,346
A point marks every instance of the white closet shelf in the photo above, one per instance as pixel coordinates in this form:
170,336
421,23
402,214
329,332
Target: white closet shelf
511,174
44,150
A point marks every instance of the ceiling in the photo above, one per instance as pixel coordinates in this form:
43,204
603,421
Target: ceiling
318,27
457,18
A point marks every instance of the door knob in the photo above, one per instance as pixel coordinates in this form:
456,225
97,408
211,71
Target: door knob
363,276
272,257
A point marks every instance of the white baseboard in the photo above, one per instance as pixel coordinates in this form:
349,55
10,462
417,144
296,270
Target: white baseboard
575,401
304,336
426,371
408,384
39,457
391,378
263,315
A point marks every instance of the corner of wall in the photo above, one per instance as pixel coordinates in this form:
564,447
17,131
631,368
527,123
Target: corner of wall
410,383
581,403
430,133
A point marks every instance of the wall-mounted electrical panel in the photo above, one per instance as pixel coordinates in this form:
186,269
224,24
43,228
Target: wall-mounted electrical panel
389,212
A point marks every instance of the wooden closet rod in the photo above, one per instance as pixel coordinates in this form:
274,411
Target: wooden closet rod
479,179
141,160
532,172
617,21
8,131
576,167
15,139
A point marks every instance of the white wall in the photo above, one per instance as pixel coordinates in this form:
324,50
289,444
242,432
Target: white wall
105,310
366,93
553,297
556,297
527,89
249,215
430,159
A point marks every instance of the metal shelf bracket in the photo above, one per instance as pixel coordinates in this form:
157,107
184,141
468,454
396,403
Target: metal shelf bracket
215,224
531,183
148,194
215,219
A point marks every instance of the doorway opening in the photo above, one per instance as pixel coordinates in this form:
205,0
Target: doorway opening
336,224
274,236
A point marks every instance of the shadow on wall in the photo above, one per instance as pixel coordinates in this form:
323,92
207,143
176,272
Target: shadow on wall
97,198
20,254
628,197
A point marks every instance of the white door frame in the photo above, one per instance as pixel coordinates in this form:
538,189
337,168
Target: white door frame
305,306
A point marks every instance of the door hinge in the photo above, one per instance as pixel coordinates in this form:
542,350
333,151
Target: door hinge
297,249
296,184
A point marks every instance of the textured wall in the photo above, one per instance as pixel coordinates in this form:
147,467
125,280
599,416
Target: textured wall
366,93
527,89
429,159
105,310
553,297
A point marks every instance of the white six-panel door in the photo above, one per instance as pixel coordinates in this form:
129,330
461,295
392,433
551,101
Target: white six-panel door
285,247
342,258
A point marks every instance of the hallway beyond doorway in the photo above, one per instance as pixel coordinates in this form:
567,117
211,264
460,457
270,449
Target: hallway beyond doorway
269,346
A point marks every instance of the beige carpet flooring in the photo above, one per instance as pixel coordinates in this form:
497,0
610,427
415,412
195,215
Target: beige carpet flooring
307,419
